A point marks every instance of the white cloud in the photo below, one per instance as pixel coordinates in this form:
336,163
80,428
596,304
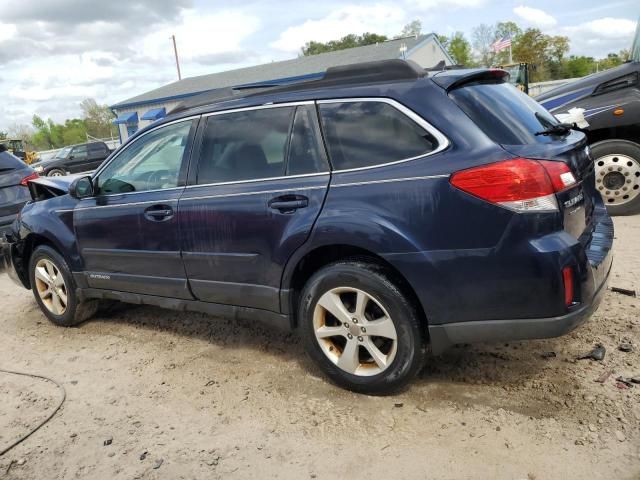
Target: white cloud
7,31
378,18
444,4
601,36
535,16
199,35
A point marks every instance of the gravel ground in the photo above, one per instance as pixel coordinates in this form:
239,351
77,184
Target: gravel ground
160,394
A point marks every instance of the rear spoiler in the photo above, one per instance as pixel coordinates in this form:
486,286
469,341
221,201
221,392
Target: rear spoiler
452,79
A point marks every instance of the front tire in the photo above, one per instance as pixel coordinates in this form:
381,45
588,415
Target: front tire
617,166
360,328
55,290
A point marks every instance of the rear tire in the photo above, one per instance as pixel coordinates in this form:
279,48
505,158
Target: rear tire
56,172
617,165
341,307
55,290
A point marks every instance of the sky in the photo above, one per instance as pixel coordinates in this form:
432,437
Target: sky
55,53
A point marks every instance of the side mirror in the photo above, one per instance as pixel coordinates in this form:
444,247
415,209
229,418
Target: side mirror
81,187
71,157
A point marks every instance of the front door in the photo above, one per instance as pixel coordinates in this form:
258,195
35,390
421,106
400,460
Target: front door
258,188
128,233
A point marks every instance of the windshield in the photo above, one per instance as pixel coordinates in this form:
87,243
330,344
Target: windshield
63,153
505,114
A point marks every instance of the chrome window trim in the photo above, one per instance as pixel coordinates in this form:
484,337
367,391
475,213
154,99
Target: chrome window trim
105,165
391,180
181,199
261,192
302,175
443,142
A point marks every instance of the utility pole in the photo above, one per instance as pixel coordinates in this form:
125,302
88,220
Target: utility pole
175,51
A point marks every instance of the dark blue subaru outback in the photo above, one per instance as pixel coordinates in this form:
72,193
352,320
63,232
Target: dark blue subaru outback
383,210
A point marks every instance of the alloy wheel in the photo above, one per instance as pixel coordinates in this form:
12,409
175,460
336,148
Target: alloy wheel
51,286
617,178
355,331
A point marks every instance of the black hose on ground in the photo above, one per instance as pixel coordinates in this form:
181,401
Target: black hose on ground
55,410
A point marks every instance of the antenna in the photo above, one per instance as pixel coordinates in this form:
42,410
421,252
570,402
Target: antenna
175,51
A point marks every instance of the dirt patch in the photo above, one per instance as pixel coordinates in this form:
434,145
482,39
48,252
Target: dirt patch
160,394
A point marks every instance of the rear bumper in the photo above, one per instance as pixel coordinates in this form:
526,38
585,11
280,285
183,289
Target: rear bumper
445,336
594,261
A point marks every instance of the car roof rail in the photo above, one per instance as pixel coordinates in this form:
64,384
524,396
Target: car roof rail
356,73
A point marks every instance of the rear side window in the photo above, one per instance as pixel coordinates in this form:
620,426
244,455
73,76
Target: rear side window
245,145
97,148
306,154
365,134
507,115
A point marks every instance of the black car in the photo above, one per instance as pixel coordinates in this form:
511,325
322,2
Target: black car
384,211
85,157
14,175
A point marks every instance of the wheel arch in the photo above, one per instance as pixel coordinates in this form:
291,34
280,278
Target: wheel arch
298,273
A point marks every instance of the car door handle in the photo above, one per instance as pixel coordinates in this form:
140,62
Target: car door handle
288,203
158,213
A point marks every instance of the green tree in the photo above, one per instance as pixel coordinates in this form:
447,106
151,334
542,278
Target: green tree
98,118
502,29
348,41
460,49
578,66
483,37
411,29
556,51
3,135
532,48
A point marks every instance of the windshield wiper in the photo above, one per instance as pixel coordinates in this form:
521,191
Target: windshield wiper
557,129
553,128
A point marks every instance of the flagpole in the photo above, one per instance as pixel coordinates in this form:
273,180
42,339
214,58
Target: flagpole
510,56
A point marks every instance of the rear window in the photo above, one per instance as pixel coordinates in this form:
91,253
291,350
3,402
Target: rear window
365,134
504,113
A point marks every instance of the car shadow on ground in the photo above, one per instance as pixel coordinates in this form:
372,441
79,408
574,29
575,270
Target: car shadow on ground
464,374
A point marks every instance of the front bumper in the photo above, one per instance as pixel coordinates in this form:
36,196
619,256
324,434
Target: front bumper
7,256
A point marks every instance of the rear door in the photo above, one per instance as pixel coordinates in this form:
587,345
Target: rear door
77,160
254,195
97,153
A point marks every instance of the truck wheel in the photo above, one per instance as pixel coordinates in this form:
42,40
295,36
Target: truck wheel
55,290
617,165
56,172
360,328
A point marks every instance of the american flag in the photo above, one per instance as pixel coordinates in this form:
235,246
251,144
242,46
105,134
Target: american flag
501,44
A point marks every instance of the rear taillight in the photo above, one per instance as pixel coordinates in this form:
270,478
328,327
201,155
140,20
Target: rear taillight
520,184
567,278
25,181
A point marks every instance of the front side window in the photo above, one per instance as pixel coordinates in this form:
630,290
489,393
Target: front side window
365,134
63,153
152,162
245,145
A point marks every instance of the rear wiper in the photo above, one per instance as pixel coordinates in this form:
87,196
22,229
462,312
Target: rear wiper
557,129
